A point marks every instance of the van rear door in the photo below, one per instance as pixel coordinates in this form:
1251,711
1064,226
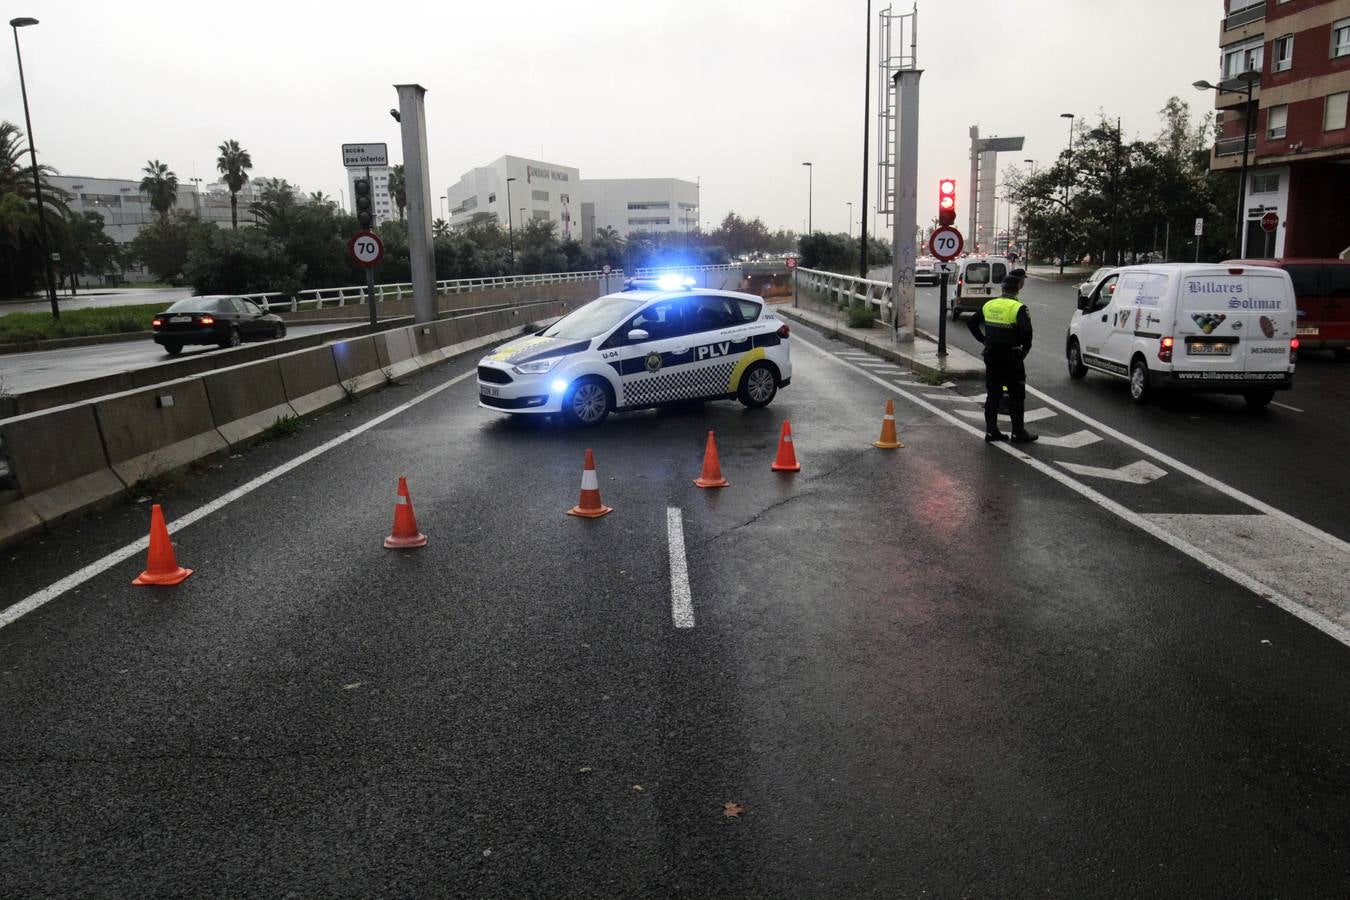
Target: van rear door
1234,325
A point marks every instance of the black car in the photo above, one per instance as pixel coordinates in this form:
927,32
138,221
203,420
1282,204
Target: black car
223,321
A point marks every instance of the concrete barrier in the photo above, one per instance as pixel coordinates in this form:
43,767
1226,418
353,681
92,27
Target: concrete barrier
428,350
150,431
395,349
246,399
57,462
358,365
311,380
18,521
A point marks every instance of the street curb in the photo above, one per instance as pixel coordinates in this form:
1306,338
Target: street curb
884,351
84,340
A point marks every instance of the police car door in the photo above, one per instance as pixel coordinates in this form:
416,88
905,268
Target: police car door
722,343
655,369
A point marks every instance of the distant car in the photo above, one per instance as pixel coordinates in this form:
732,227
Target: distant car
925,271
658,341
1087,287
223,321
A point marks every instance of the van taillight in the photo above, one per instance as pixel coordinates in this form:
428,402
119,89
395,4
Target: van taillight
1293,350
1165,349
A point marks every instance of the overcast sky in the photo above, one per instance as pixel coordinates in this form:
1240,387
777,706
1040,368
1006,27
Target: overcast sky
736,92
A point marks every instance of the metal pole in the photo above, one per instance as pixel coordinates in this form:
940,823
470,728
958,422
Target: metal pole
849,204
1242,178
867,112
794,287
510,230
1069,165
906,203
942,315
422,254
370,276
37,180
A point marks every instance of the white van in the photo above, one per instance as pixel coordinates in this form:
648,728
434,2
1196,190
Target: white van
1219,328
979,279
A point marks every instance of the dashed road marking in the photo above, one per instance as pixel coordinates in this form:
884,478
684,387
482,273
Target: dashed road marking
1032,415
949,397
681,600
1140,472
1285,406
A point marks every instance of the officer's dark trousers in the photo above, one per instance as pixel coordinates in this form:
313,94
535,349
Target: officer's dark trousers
1003,366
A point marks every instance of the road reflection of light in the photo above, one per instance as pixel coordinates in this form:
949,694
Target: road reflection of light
947,505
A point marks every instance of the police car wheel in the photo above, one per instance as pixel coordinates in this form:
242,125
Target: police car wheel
586,402
758,386
1139,390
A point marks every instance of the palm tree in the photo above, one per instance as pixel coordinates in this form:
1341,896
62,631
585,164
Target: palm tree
21,237
440,229
319,198
398,189
161,186
234,163
276,205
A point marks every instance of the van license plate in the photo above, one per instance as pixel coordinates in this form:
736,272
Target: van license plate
1307,329
1209,349
489,391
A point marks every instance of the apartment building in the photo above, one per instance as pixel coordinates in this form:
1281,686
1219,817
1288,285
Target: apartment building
1294,135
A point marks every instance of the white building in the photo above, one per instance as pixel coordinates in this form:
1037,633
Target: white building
383,201
638,204
537,190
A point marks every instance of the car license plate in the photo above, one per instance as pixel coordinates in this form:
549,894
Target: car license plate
489,391
1307,329
180,318
1209,349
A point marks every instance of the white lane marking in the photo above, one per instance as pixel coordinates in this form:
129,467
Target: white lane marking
1138,472
1176,542
1032,415
950,397
1072,441
1178,466
681,600
13,613
1285,406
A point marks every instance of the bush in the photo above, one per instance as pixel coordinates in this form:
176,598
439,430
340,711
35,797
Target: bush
860,315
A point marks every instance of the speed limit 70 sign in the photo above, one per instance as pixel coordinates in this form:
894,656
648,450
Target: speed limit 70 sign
946,243
366,248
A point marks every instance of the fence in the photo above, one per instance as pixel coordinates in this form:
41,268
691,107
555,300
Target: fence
317,298
841,288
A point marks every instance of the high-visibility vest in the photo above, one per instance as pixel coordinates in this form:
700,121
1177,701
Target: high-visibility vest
1000,321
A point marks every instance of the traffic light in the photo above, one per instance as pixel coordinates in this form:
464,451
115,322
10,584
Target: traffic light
947,201
361,202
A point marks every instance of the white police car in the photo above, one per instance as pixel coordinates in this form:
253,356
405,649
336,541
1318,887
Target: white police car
653,343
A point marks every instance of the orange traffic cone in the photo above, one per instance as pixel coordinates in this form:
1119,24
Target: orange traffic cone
888,439
161,565
787,456
712,467
405,534
589,506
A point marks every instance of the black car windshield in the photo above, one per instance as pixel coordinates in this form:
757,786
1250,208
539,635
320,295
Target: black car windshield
195,304
594,318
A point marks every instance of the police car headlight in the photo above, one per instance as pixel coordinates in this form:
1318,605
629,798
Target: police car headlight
537,366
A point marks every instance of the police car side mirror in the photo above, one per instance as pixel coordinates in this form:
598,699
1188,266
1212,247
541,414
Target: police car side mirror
637,335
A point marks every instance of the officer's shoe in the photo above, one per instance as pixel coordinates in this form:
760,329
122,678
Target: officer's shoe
1024,437
991,437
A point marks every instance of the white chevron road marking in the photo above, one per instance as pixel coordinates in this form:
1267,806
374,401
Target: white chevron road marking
1071,441
1139,472
1033,415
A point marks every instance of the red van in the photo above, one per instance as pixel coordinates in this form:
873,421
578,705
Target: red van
1322,289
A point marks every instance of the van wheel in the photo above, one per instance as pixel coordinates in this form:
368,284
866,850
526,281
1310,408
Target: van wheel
758,387
1258,399
956,313
1076,368
1139,389
1341,354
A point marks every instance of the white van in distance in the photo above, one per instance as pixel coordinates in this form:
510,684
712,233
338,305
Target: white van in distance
1217,328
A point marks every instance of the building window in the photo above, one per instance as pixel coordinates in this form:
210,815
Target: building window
1245,57
1340,38
650,220
649,205
541,196
492,198
1283,48
1276,122
1265,182
1333,115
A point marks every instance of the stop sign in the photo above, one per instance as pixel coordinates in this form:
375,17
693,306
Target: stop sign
1270,221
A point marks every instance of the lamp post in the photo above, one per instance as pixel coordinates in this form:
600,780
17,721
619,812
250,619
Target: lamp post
850,219
444,198
1026,249
510,230
1067,181
196,196
16,24
1244,81
810,191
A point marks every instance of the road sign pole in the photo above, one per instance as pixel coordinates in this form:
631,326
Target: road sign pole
795,304
370,276
942,315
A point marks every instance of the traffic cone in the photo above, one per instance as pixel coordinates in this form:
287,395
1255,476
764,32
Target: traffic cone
787,456
589,506
888,440
161,565
405,534
712,467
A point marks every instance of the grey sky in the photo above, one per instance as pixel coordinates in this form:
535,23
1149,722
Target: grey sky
737,92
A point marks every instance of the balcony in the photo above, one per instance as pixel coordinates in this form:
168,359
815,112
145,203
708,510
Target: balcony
1232,146
1244,16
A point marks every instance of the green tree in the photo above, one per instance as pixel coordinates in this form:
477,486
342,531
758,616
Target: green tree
160,184
398,188
440,228
88,250
22,265
163,247
242,262
233,164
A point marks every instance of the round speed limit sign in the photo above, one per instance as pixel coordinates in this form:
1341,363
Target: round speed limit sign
366,249
946,243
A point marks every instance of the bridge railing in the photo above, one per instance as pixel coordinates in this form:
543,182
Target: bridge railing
847,288
318,298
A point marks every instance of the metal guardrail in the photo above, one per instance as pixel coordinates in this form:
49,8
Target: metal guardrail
1229,146
876,294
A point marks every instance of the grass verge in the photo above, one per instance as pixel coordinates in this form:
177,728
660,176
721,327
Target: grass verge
18,328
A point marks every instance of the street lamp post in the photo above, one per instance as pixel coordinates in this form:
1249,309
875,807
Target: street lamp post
1067,181
444,198
850,219
196,196
1026,249
810,192
1244,81
510,230
16,24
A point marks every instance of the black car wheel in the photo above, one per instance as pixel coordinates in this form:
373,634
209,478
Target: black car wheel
173,349
279,332
759,386
234,340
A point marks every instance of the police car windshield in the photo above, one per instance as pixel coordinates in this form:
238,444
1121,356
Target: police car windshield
594,318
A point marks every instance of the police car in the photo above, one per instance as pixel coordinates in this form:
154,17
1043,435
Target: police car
656,342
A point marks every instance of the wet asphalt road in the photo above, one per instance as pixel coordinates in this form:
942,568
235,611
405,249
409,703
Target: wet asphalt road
927,672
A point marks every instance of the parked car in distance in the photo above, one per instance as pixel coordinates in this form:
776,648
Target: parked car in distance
1090,284
220,320
925,271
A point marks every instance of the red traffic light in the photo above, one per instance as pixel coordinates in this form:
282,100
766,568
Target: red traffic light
946,201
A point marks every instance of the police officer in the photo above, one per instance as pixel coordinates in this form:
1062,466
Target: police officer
1004,327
